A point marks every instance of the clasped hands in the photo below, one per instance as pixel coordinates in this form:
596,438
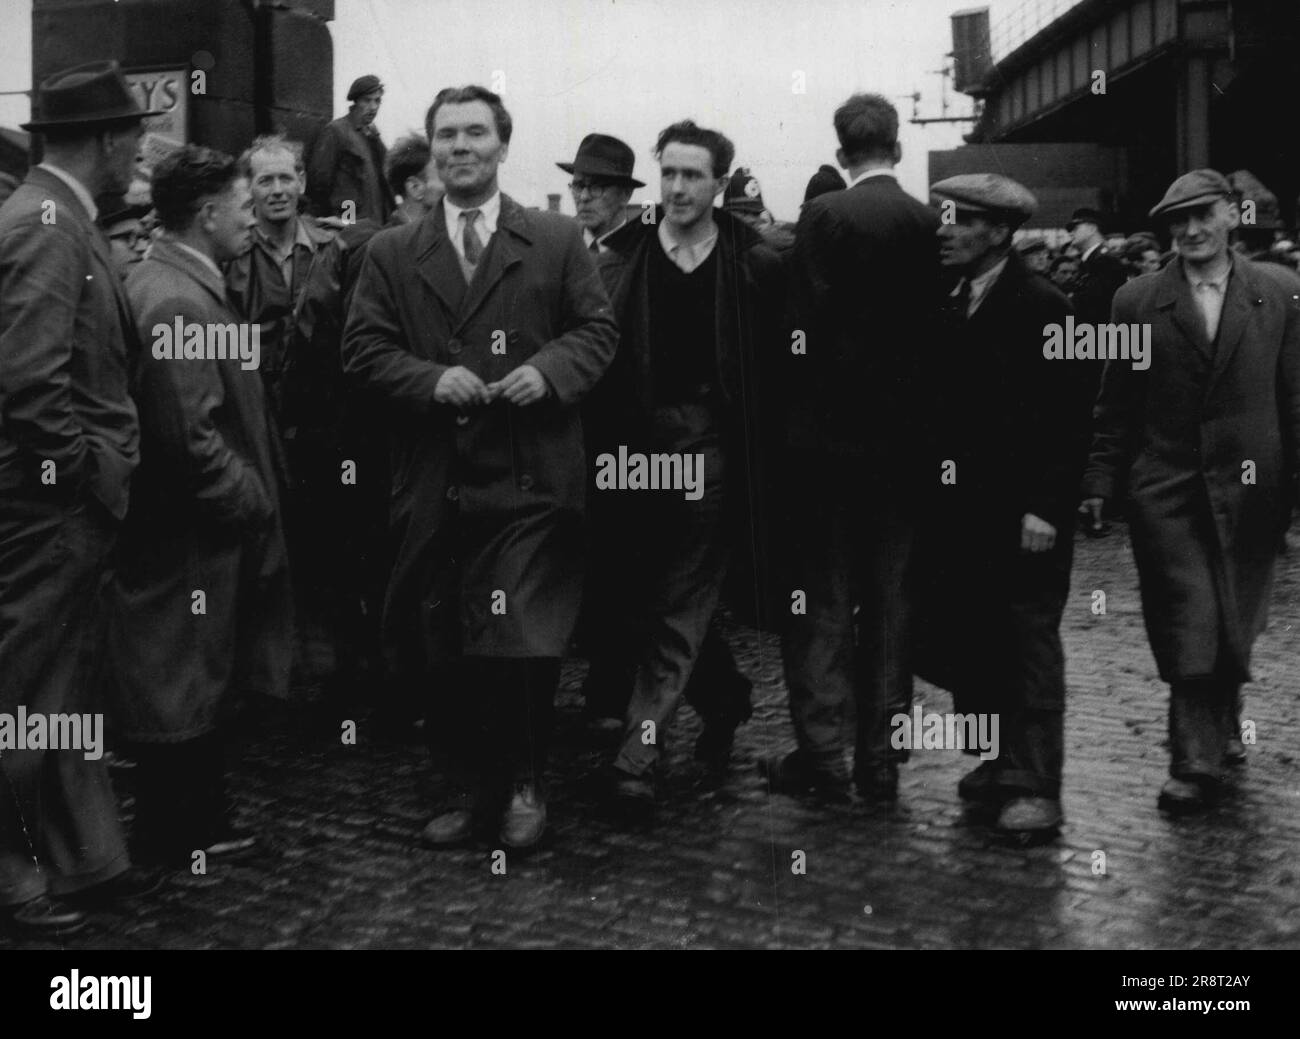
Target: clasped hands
460,387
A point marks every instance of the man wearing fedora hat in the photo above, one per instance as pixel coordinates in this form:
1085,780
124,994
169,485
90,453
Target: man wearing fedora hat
347,162
1206,442
69,441
602,186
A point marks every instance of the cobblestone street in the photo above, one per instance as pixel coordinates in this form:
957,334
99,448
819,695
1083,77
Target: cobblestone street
345,869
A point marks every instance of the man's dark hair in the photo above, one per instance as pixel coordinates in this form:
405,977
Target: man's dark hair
867,126
464,95
271,142
185,178
407,158
686,132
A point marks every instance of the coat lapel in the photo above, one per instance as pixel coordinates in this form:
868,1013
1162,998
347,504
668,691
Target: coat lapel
1239,301
502,254
1174,297
436,263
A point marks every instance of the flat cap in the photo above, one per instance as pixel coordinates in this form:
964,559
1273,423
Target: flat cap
1198,188
988,193
363,85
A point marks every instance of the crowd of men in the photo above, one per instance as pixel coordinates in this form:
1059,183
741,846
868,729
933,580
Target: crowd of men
466,437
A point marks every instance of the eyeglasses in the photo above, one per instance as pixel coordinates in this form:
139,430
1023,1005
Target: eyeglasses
594,190
129,238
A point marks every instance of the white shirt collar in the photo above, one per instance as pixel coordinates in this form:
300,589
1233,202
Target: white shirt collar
980,285
486,225
77,188
1220,283
1084,257
879,171
207,260
588,237
687,256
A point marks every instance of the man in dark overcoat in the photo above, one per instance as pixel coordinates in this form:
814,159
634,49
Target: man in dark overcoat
1207,442
201,607
482,327
69,442
996,541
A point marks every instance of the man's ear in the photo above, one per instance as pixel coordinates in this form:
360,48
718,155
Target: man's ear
898,152
841,158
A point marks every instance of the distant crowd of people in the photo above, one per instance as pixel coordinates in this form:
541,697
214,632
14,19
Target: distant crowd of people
461,439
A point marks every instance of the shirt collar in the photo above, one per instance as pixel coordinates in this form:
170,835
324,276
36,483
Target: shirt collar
588,237
879,171
203,258
980,285
685,255
1220,283
300,237
77,188
1084,257
490,211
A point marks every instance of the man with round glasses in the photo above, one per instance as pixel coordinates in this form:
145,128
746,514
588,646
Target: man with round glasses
602,186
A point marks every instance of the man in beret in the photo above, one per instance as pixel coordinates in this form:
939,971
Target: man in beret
1206,442
69,442
1010,434
347,162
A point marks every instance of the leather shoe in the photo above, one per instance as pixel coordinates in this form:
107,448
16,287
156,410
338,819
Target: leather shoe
793,774
230,840
524,820
1030,817
1234,754
131,884
43,915
448,828
1186,796
631,793
981,784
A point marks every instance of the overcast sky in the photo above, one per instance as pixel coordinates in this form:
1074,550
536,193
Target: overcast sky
630,67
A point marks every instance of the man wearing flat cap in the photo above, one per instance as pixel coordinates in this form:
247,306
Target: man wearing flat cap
996,546
1205,443
69,442
347,162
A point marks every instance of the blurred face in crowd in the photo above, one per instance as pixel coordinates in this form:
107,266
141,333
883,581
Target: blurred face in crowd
426,189
1200,233
276,186
128,240
366,107
1083,235
687,184
600,203
1149,262
467,151
1066,273
971,243
228,220
1038,261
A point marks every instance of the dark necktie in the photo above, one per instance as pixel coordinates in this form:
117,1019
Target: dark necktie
472,244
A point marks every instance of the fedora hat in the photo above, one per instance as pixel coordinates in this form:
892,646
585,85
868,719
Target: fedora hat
600,155
95,92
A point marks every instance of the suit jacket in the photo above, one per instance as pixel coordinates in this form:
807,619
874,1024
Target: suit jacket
1178,435
864,286
66,339
347,165
491,499
205,516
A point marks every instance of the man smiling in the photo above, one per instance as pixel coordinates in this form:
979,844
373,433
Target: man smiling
482,327
1207,441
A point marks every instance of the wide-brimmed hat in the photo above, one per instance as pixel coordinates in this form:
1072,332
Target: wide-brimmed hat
85,95
600,155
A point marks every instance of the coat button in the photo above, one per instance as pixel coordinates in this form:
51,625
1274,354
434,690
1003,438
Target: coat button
513,336
454,346
525,482
462,420
453,493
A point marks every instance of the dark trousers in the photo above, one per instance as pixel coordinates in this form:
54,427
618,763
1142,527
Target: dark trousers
59,830
180,799
848,672
1204,721
676,592
489,724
